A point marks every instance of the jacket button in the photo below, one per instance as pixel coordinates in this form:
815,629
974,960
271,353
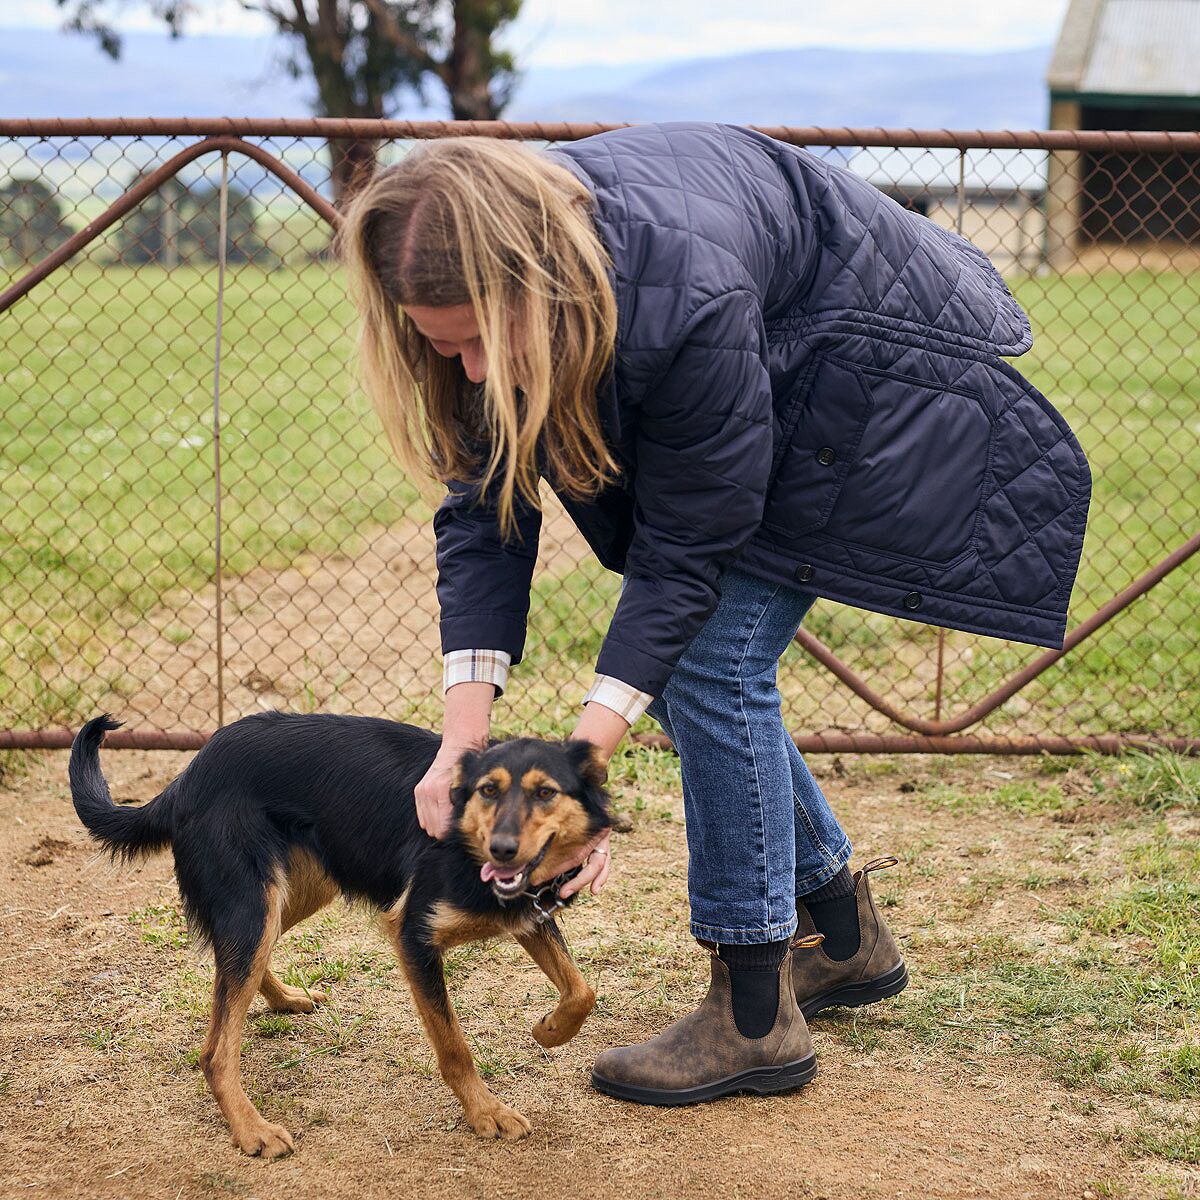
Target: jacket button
804,573
827,456
912,600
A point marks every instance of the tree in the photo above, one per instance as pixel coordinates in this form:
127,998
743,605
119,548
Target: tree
363,56
31,219
178,224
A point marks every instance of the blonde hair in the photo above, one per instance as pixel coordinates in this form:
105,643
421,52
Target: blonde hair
498,226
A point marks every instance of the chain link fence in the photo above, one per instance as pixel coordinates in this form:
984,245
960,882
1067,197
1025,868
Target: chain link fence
200,518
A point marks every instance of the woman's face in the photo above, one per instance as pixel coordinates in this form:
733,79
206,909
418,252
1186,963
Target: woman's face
454,333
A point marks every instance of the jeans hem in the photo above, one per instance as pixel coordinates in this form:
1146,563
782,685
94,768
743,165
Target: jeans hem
744,937
817,879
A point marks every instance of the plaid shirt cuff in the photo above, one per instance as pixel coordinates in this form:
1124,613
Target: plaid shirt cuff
476,666
626,701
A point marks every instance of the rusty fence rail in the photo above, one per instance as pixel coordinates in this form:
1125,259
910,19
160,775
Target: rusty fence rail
198,518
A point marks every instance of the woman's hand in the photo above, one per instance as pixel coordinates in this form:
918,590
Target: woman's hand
596,860
604,729
433,795
468,718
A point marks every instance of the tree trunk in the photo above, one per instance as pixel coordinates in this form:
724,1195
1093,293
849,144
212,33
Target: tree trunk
468,67
352,163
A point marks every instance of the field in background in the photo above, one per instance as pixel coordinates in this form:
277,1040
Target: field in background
109,499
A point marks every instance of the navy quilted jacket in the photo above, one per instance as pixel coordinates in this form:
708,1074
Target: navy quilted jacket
807,383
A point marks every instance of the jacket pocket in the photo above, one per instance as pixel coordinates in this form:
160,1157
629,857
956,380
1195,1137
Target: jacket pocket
884,461
819,438
915,489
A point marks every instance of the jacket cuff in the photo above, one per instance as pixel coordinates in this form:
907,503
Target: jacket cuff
467,631
635,667
476,666
623,698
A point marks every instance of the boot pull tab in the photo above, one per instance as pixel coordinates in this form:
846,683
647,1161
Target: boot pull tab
808,941
879,864
711,947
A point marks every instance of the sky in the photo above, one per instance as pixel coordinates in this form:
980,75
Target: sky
563,33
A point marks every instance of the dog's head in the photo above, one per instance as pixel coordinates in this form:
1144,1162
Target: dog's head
524,808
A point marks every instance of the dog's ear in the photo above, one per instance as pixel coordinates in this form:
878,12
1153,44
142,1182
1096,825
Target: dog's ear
587,761
593,770
462,776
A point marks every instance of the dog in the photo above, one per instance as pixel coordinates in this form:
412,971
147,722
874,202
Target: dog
281,812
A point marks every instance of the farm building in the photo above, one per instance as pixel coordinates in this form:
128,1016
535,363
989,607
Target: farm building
994,200
1125,64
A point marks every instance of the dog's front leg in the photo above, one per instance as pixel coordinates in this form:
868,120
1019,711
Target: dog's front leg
422,963
546,947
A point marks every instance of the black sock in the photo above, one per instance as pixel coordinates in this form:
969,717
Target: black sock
834,911
842,884
754,983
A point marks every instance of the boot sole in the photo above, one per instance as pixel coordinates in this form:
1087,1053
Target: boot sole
761,1080
855,995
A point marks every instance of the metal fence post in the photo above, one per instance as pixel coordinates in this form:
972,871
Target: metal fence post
222,234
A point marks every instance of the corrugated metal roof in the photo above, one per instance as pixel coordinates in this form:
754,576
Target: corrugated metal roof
1129,48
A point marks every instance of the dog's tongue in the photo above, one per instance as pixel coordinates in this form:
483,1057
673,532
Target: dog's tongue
489,871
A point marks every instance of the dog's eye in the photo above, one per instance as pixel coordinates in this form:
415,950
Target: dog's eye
545,793
488,790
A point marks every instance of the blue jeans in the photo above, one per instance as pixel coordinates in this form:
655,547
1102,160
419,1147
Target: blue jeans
760,832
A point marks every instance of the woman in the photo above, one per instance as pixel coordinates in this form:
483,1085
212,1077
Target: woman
752,380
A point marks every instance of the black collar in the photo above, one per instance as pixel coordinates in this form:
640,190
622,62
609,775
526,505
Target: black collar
545,898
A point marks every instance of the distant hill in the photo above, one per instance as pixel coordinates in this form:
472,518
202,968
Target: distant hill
47,74
821,87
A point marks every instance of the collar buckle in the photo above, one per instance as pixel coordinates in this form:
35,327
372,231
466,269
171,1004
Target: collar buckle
545,900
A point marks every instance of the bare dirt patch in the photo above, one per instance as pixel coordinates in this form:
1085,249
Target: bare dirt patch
102,1007
336,632
45,851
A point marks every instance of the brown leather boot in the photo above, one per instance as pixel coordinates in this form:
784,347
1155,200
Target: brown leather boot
875,972
703,1055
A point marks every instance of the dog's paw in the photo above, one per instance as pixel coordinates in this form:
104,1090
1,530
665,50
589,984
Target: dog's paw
500,1121
561,1024
296,1000
554,1030
264,1139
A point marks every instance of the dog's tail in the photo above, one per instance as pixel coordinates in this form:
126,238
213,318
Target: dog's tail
124,832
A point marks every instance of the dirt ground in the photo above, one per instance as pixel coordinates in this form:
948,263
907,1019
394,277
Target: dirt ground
102,1008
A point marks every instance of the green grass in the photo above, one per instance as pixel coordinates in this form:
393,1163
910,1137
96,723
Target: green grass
108,454
1029,797
106,1038
308,965
1117,355
162,925
107,487
272,1025
1156,780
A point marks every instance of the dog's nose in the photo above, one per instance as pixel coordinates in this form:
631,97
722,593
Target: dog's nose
503,847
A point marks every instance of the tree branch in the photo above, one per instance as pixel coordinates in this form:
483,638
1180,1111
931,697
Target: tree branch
392,31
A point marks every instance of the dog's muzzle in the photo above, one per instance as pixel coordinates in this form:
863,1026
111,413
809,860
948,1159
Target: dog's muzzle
510,882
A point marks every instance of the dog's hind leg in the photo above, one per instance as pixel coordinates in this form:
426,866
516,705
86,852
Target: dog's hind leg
241,961
546,947
308,890
422,963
